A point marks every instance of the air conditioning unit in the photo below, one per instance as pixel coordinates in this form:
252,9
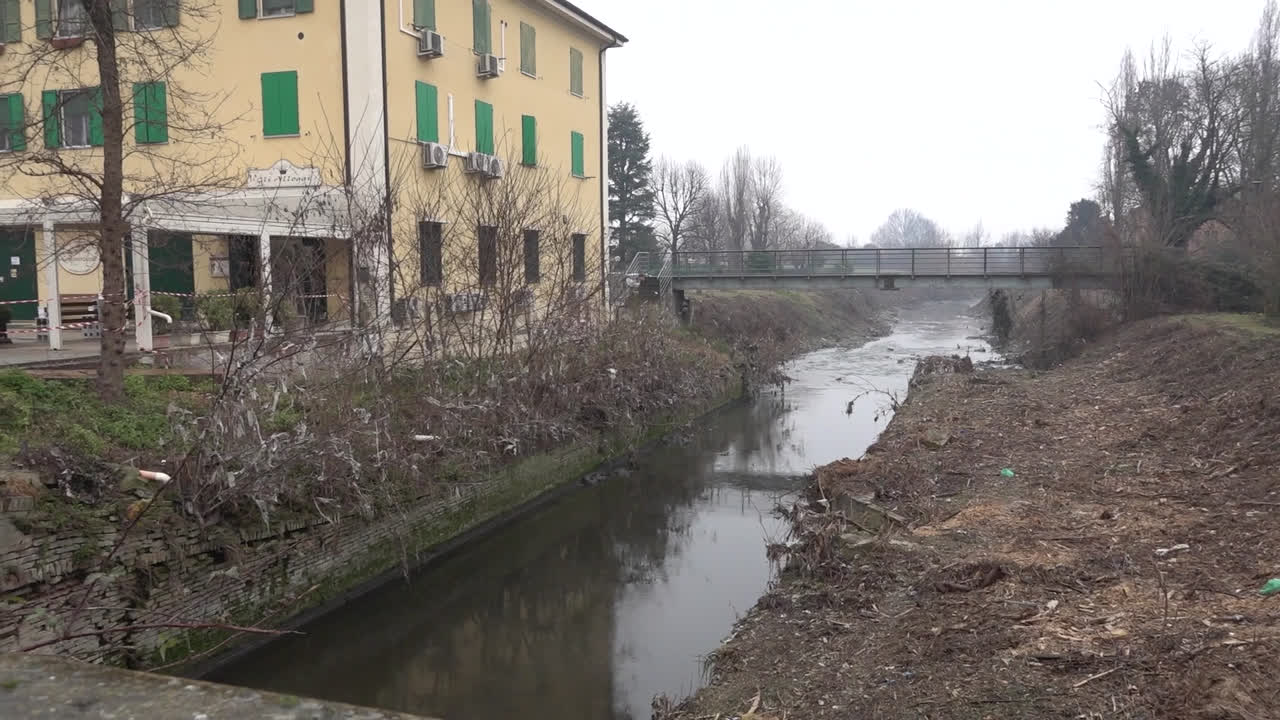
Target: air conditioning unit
434,155
466,302
430,44
489,166
487,66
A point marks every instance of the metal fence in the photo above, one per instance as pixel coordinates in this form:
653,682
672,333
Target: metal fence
901,262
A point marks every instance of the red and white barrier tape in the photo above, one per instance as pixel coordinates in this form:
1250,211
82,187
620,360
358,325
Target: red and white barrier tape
20,302
72,326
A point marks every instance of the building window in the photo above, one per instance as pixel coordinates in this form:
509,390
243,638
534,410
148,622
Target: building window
72,118
150,113
424,14
488,254
575,71
576,149
250,9
528,140
73,19
484,127
430,252
10,21
532,259
480,27
12,122
280,103
426,98
528,50
152,14
579,257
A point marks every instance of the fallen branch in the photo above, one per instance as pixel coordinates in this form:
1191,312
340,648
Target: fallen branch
1091,678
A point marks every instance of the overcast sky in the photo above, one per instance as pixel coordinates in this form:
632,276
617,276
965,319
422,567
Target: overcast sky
965,110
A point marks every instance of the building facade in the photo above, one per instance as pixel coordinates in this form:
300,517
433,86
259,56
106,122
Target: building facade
371,159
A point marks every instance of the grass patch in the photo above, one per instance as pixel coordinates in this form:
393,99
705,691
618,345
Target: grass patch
1253,324
39,413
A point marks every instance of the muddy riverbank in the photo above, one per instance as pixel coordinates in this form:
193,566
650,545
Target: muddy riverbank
1113,571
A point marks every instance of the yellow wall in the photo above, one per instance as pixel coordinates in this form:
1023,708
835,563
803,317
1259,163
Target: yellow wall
203,249
217,98
547,97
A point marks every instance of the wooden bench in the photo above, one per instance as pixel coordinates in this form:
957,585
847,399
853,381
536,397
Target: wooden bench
79,309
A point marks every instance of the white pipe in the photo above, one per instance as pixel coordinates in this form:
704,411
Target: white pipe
451,143
400,22
152,475
162,316
502,59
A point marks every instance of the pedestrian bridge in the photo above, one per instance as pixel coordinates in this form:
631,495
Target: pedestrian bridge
882,268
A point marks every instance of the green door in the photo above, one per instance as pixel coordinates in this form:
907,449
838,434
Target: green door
18,274
172,267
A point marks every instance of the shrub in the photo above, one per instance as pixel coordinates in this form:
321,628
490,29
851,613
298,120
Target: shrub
169,305
216,311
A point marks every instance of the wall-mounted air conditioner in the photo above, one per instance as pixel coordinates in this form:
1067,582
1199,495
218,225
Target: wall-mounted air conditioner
487,66
434,156
430,44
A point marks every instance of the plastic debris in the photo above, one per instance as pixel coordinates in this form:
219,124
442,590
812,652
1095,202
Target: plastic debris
1271,588
1161,552
1007,472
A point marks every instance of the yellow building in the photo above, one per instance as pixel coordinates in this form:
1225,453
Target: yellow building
359,155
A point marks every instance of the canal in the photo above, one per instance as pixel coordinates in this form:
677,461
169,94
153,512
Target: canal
589,607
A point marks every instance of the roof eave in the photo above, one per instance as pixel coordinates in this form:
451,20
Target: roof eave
583,18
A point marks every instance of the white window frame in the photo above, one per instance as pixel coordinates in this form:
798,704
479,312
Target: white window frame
58,29
290,13
63,96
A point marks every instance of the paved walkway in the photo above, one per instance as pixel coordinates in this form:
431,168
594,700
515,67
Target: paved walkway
26,350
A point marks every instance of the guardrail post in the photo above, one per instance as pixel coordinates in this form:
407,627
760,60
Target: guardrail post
948,262
913,263
984,262
877,263
1022,261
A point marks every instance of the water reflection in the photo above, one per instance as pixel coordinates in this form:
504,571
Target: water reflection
593,605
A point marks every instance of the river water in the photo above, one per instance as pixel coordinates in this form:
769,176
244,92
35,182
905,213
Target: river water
589,607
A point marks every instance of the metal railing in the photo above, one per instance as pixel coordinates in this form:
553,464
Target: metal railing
897,262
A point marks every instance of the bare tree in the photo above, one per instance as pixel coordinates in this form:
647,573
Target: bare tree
766,202
907,228
94,45
680,190
735,192
1179,134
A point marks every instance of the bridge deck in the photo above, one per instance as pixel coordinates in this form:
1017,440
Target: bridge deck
881,267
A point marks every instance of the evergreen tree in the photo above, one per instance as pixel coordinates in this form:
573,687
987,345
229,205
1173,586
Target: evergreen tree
630,188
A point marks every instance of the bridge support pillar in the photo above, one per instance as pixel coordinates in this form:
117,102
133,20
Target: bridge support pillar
683,306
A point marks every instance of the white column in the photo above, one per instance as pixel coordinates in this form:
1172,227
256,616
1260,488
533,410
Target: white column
54,308
264,277
141,249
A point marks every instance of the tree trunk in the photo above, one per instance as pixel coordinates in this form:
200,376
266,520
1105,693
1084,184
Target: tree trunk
113,228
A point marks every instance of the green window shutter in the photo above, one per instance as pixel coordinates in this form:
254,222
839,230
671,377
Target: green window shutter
49,116
44,18
575,71
480,26
575,142
528,49
119,15
484,127
280,103
302,6
17,122
12,21
529,140
169,10
248,9
95,118
424,14
427,99
150,113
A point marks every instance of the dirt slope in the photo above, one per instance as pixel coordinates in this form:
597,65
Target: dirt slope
1116,575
